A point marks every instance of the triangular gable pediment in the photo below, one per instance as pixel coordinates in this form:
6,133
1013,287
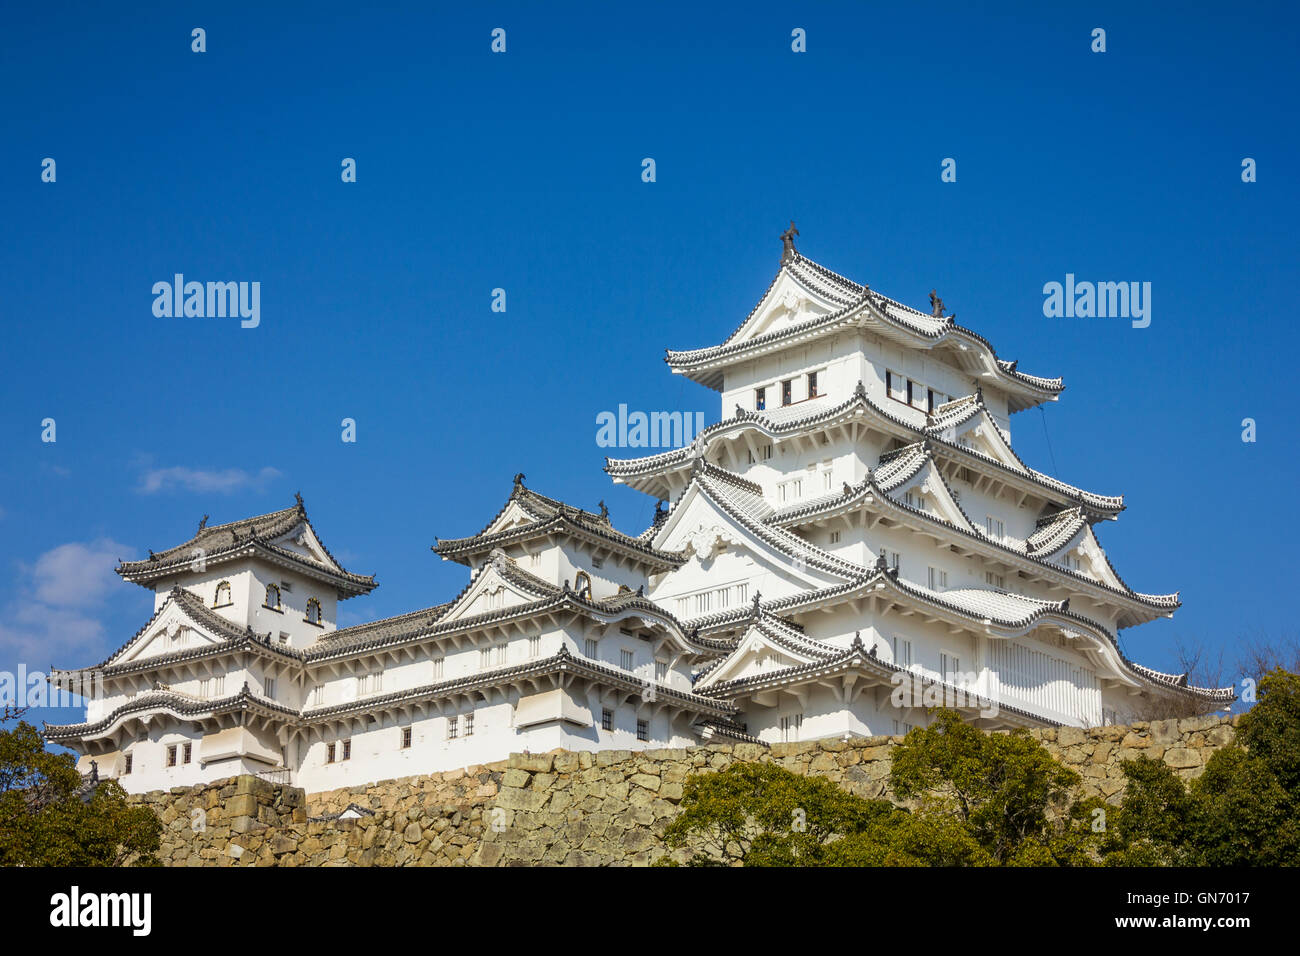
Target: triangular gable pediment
712,537
928,485
755,655
171,630
302,541
513,516
491,591
1092,560
788,302
981,434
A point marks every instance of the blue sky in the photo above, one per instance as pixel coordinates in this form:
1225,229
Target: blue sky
522,171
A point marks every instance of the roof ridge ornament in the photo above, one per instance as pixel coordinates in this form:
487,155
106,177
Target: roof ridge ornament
936,307
297,496
788,250
604,512
519,484
203,522
860,391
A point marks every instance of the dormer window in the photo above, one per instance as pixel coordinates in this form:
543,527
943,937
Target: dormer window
272,601
313,612
223,595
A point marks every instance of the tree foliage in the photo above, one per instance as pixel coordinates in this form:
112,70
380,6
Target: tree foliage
979,799
48,818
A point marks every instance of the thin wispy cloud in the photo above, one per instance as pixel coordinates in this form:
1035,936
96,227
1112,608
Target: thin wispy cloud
223,481
54,614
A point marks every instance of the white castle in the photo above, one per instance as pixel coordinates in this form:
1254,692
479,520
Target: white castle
854,543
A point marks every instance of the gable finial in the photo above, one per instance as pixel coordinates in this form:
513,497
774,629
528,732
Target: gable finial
788,250
519,481
203,522
297,496
604,512
936,305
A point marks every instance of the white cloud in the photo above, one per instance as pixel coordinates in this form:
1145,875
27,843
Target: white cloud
49,620
77,574
221,481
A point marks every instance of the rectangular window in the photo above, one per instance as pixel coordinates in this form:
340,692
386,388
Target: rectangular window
453,727
469,725
534,646
938,579
994,527
329,753
439,667
171,756
205,687
406,738
606,719
916,395
949,666
130,763
766,452
787,392
896,386
643,730
902,653
501,653
812,384
284,637
625,659
760,399
592,648
661,671
790,727
347,750
187,751
485,657
994,580
270,687
835,537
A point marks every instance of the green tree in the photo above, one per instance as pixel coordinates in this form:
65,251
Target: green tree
46,819
1001,786
759,814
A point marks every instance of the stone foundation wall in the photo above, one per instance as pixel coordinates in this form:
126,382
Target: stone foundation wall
573,808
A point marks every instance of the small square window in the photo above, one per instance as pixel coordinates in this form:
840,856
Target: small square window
606,719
